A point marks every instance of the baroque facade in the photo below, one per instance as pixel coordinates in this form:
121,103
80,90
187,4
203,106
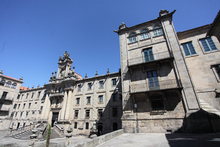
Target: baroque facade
168,82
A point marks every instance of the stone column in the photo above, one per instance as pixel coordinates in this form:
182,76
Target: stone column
68,105
46,108
63,109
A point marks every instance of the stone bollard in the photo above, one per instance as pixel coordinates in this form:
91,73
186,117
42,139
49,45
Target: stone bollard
69,135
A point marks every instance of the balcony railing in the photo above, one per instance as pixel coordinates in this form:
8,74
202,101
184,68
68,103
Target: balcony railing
151,86
57,94
150,58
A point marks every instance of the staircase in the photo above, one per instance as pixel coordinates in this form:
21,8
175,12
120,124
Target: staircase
207,107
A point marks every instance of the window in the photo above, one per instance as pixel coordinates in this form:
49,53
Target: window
8,84
75,125
101,84
79,87
18,96
77,101
21,114
32,95
188,49
89,86
157,31
208,44
27,95
24,106
216,69
19,106
144,34
87,125
4,95
114,96
100,99
29,106
153,79
114,112
132,37
33,112
114,82
87,113
148,55
14,85
88,98
157,102
76,113
26,114
15,105
100,113
38,95
2,82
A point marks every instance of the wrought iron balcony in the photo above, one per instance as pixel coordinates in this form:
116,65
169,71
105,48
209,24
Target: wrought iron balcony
138,87
150,58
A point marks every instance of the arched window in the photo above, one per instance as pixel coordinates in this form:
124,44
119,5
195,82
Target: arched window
14,85
132,37
157,31
2,82
145,34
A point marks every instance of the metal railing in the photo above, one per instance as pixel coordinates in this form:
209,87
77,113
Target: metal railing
136,87
150,58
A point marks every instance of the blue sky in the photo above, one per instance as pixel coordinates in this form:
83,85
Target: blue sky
34,33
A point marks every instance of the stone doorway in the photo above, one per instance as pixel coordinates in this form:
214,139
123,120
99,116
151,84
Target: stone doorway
54,118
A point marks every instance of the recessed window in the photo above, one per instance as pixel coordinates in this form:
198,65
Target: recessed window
8,83
144,34
14,85
4,95
87,114
76,114
132,37
77,101
114,82
208,44
2,82
38,95
101,84
15,105
29,106
32,95
148,55
216,69
100,99
89,86
87,125
75,125
152,77
79,86
27,95
188,49
157,31
88,100
100,113
24,105
114,112
157,102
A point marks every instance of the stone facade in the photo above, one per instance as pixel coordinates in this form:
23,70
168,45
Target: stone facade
159,84
9,89
168,82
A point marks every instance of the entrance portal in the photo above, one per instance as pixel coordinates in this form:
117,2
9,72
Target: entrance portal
54,118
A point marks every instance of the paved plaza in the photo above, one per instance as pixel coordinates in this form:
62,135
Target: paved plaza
164,140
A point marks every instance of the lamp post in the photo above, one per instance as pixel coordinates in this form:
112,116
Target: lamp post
137,130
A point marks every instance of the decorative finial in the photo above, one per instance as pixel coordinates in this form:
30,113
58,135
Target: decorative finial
122,26
108,72
96,73
86,76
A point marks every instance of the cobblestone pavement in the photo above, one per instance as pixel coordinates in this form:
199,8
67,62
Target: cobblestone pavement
164,140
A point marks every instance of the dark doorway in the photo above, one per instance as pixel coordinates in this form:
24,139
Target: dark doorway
100,128
115,126
54,118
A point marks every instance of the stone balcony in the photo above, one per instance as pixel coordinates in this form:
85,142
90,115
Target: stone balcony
145,86
149,59
57,94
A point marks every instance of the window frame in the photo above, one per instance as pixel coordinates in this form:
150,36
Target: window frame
188,49
203,48
132,38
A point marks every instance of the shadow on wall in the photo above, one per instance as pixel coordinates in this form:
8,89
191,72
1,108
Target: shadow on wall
200,122
110,118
